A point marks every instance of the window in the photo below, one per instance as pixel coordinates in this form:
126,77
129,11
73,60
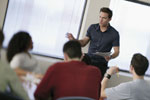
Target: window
47,21
132,20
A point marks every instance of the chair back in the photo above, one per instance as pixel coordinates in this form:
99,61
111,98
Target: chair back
8,96
75,98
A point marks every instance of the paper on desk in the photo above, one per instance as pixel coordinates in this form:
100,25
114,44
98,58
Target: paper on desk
103,54
31,78
30,89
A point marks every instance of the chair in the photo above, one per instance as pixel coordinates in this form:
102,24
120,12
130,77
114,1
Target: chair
8,96
75,98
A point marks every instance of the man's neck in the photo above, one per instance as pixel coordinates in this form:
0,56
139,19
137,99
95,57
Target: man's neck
135,77
74,59
103,28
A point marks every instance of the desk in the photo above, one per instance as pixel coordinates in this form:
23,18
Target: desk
30,84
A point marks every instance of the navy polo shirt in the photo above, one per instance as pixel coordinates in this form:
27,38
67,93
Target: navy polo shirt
101,41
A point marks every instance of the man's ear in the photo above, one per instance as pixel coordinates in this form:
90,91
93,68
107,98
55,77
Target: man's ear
131,68
66,57
110,19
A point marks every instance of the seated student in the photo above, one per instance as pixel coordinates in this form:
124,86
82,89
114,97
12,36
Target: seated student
70,78
18,54
9,79
138,89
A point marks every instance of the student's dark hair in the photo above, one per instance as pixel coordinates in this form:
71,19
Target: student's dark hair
107,10
19,43
72,49
140,64
1,37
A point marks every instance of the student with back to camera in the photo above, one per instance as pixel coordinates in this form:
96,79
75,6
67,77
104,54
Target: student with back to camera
138,89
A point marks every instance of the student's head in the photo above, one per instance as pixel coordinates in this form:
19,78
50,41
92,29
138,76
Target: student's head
105,16
140,64
72,49
1,38
20,42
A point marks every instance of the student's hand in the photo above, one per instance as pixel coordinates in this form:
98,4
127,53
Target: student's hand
113,70
70,36
39,76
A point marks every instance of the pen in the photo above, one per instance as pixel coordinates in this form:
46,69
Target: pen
117,74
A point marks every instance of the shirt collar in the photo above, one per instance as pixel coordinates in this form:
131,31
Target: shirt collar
98,27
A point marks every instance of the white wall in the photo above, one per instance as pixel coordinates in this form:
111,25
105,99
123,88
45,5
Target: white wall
3,5
91,16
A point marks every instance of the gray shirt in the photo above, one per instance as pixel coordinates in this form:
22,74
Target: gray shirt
8,78
135,90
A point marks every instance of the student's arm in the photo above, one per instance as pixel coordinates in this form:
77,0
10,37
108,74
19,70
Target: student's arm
103,86
20,72
111,70
15,84
83,41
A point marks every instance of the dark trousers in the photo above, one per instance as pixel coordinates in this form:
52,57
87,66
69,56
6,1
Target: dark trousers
101,65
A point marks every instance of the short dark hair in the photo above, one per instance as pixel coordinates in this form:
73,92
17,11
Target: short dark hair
1,37
140,64
19,43
107,10
73,49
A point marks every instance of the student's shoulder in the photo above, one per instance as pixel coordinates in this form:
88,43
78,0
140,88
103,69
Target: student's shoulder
21,55
55,67
18,58
4,65
58,64
125,85
94,68
5,68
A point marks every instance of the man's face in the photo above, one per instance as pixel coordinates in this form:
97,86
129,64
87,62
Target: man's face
31,45
104,19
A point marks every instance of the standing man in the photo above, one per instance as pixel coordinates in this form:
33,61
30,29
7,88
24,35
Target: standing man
103,37
138,89
72,78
